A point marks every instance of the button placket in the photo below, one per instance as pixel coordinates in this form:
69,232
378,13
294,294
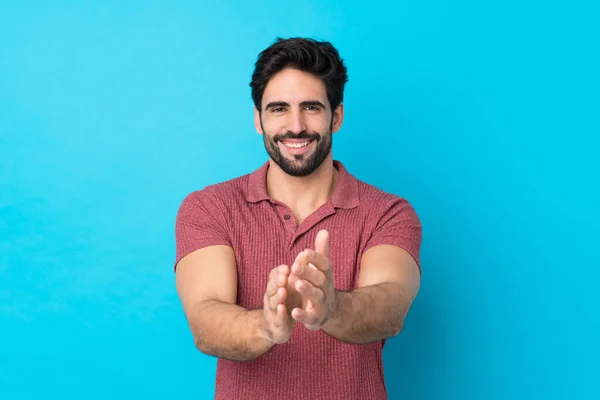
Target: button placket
288,219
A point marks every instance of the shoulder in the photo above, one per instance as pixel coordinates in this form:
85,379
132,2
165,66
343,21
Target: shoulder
390,220
384,210
375,198
227,190
216,196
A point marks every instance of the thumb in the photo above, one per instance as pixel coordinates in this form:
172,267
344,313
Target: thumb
322,243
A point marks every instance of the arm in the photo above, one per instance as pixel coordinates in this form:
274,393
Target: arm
206,281
388,283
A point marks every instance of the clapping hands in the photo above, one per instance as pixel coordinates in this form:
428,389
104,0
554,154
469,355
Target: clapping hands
304,293
311,286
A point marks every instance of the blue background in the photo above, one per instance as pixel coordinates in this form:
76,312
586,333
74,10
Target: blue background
484,115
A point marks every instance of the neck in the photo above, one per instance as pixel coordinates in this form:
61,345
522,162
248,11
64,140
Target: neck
302,194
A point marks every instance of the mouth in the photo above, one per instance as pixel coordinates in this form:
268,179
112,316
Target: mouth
296,146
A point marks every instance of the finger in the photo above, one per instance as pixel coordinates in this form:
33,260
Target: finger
277,298
283,274
283,269
272,286
316,295
302,261
322,243
305,317
280,316
275,276
317,259
299,263
282,280
314,276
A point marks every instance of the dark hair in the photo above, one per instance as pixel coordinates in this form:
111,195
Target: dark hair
316,57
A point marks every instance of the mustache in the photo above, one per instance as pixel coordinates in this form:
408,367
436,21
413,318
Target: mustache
301,135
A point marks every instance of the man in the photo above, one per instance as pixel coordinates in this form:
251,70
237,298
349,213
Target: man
295,275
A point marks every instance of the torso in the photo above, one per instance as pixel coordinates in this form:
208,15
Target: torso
264,234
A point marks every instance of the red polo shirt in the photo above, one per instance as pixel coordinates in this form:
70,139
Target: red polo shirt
264,234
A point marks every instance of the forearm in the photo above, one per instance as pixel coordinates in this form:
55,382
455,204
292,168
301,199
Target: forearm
368,314
229,331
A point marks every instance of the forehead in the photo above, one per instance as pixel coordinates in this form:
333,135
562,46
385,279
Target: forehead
294,86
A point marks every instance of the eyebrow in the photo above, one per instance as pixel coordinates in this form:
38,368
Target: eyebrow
274,104
312,103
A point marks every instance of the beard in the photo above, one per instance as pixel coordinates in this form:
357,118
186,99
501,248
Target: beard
302,164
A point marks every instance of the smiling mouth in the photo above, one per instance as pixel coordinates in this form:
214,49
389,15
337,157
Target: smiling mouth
296,144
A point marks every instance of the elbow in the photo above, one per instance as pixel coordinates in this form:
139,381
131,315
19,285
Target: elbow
397,327
397,322
200,344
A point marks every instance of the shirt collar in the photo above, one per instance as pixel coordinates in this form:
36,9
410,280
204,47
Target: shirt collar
345,194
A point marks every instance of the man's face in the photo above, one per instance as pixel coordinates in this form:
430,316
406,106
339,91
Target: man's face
296,121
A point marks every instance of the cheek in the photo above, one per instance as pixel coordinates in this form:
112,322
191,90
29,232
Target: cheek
272,127
318,124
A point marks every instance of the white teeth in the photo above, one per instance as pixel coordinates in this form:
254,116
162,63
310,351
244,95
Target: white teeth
296,145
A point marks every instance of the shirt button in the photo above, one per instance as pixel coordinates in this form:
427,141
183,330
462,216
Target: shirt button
286,217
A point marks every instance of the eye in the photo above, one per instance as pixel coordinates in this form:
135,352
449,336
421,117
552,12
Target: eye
311,108
277,109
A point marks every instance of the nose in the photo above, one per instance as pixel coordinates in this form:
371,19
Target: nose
296,123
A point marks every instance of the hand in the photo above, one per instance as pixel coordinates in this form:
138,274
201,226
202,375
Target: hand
312,277
276,322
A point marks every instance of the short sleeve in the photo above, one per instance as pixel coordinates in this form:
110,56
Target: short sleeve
400,226
200,222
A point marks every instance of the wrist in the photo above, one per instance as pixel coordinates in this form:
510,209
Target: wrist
333,310
263,336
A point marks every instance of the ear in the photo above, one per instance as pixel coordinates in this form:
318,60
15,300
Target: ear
338,118
257,122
